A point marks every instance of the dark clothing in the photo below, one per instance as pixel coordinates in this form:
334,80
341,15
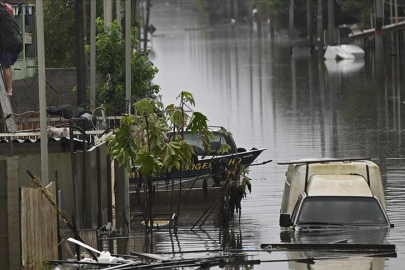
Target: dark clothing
10,36
8,59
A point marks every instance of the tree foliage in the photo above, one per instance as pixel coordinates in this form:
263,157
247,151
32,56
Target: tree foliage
110,65
59,28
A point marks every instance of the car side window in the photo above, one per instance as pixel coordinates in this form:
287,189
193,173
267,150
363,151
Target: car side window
296,207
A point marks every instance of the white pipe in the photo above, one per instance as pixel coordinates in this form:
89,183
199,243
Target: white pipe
83,245
42,92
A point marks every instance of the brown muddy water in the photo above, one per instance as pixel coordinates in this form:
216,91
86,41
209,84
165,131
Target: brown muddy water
295,107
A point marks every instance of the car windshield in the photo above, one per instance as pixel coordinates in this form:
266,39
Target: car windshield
341,210
197,144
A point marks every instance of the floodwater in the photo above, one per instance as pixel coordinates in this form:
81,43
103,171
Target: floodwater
294,106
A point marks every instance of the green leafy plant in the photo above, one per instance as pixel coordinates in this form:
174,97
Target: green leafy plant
142,142
231,195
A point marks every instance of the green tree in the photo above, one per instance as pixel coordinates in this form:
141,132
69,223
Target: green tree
356,11
59,28
110,65
346,12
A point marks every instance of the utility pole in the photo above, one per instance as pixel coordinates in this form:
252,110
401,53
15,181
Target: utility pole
396,11
378,36
319,26
128,54
118,11
42,91
146,26
291,19
331,22
107,11
235,11
81,57
379,77
93,54
250,13
309,22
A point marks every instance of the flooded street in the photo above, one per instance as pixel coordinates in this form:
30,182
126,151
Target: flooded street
295,107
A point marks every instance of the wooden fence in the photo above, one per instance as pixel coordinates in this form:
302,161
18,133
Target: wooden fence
39,230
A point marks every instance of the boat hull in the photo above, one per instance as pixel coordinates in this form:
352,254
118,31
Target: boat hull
202,166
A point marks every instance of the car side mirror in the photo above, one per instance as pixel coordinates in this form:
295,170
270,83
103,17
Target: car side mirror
285,220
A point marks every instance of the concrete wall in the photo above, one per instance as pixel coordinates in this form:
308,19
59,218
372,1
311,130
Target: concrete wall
3,214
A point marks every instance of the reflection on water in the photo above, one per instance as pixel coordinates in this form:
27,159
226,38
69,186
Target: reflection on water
338,259
335,261
344,67
295,107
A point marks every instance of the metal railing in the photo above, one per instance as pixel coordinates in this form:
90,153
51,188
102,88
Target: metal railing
29,128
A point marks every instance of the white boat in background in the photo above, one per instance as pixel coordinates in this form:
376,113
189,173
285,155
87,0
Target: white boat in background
355,50
344,67
344,52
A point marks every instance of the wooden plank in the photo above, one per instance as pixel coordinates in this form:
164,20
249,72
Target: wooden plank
5,106
39,238
326,160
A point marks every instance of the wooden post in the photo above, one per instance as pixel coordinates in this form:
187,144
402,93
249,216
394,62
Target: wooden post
5,107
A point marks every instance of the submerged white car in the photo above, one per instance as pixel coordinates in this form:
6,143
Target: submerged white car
333,194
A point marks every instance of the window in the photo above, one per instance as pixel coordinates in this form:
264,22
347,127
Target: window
296,207
197,144
342,210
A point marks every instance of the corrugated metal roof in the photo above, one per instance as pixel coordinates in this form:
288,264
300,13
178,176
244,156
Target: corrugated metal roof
20,146
52,139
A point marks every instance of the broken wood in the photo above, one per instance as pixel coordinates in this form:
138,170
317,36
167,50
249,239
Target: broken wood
331,247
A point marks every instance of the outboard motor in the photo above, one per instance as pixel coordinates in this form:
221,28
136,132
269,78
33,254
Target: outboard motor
219,172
